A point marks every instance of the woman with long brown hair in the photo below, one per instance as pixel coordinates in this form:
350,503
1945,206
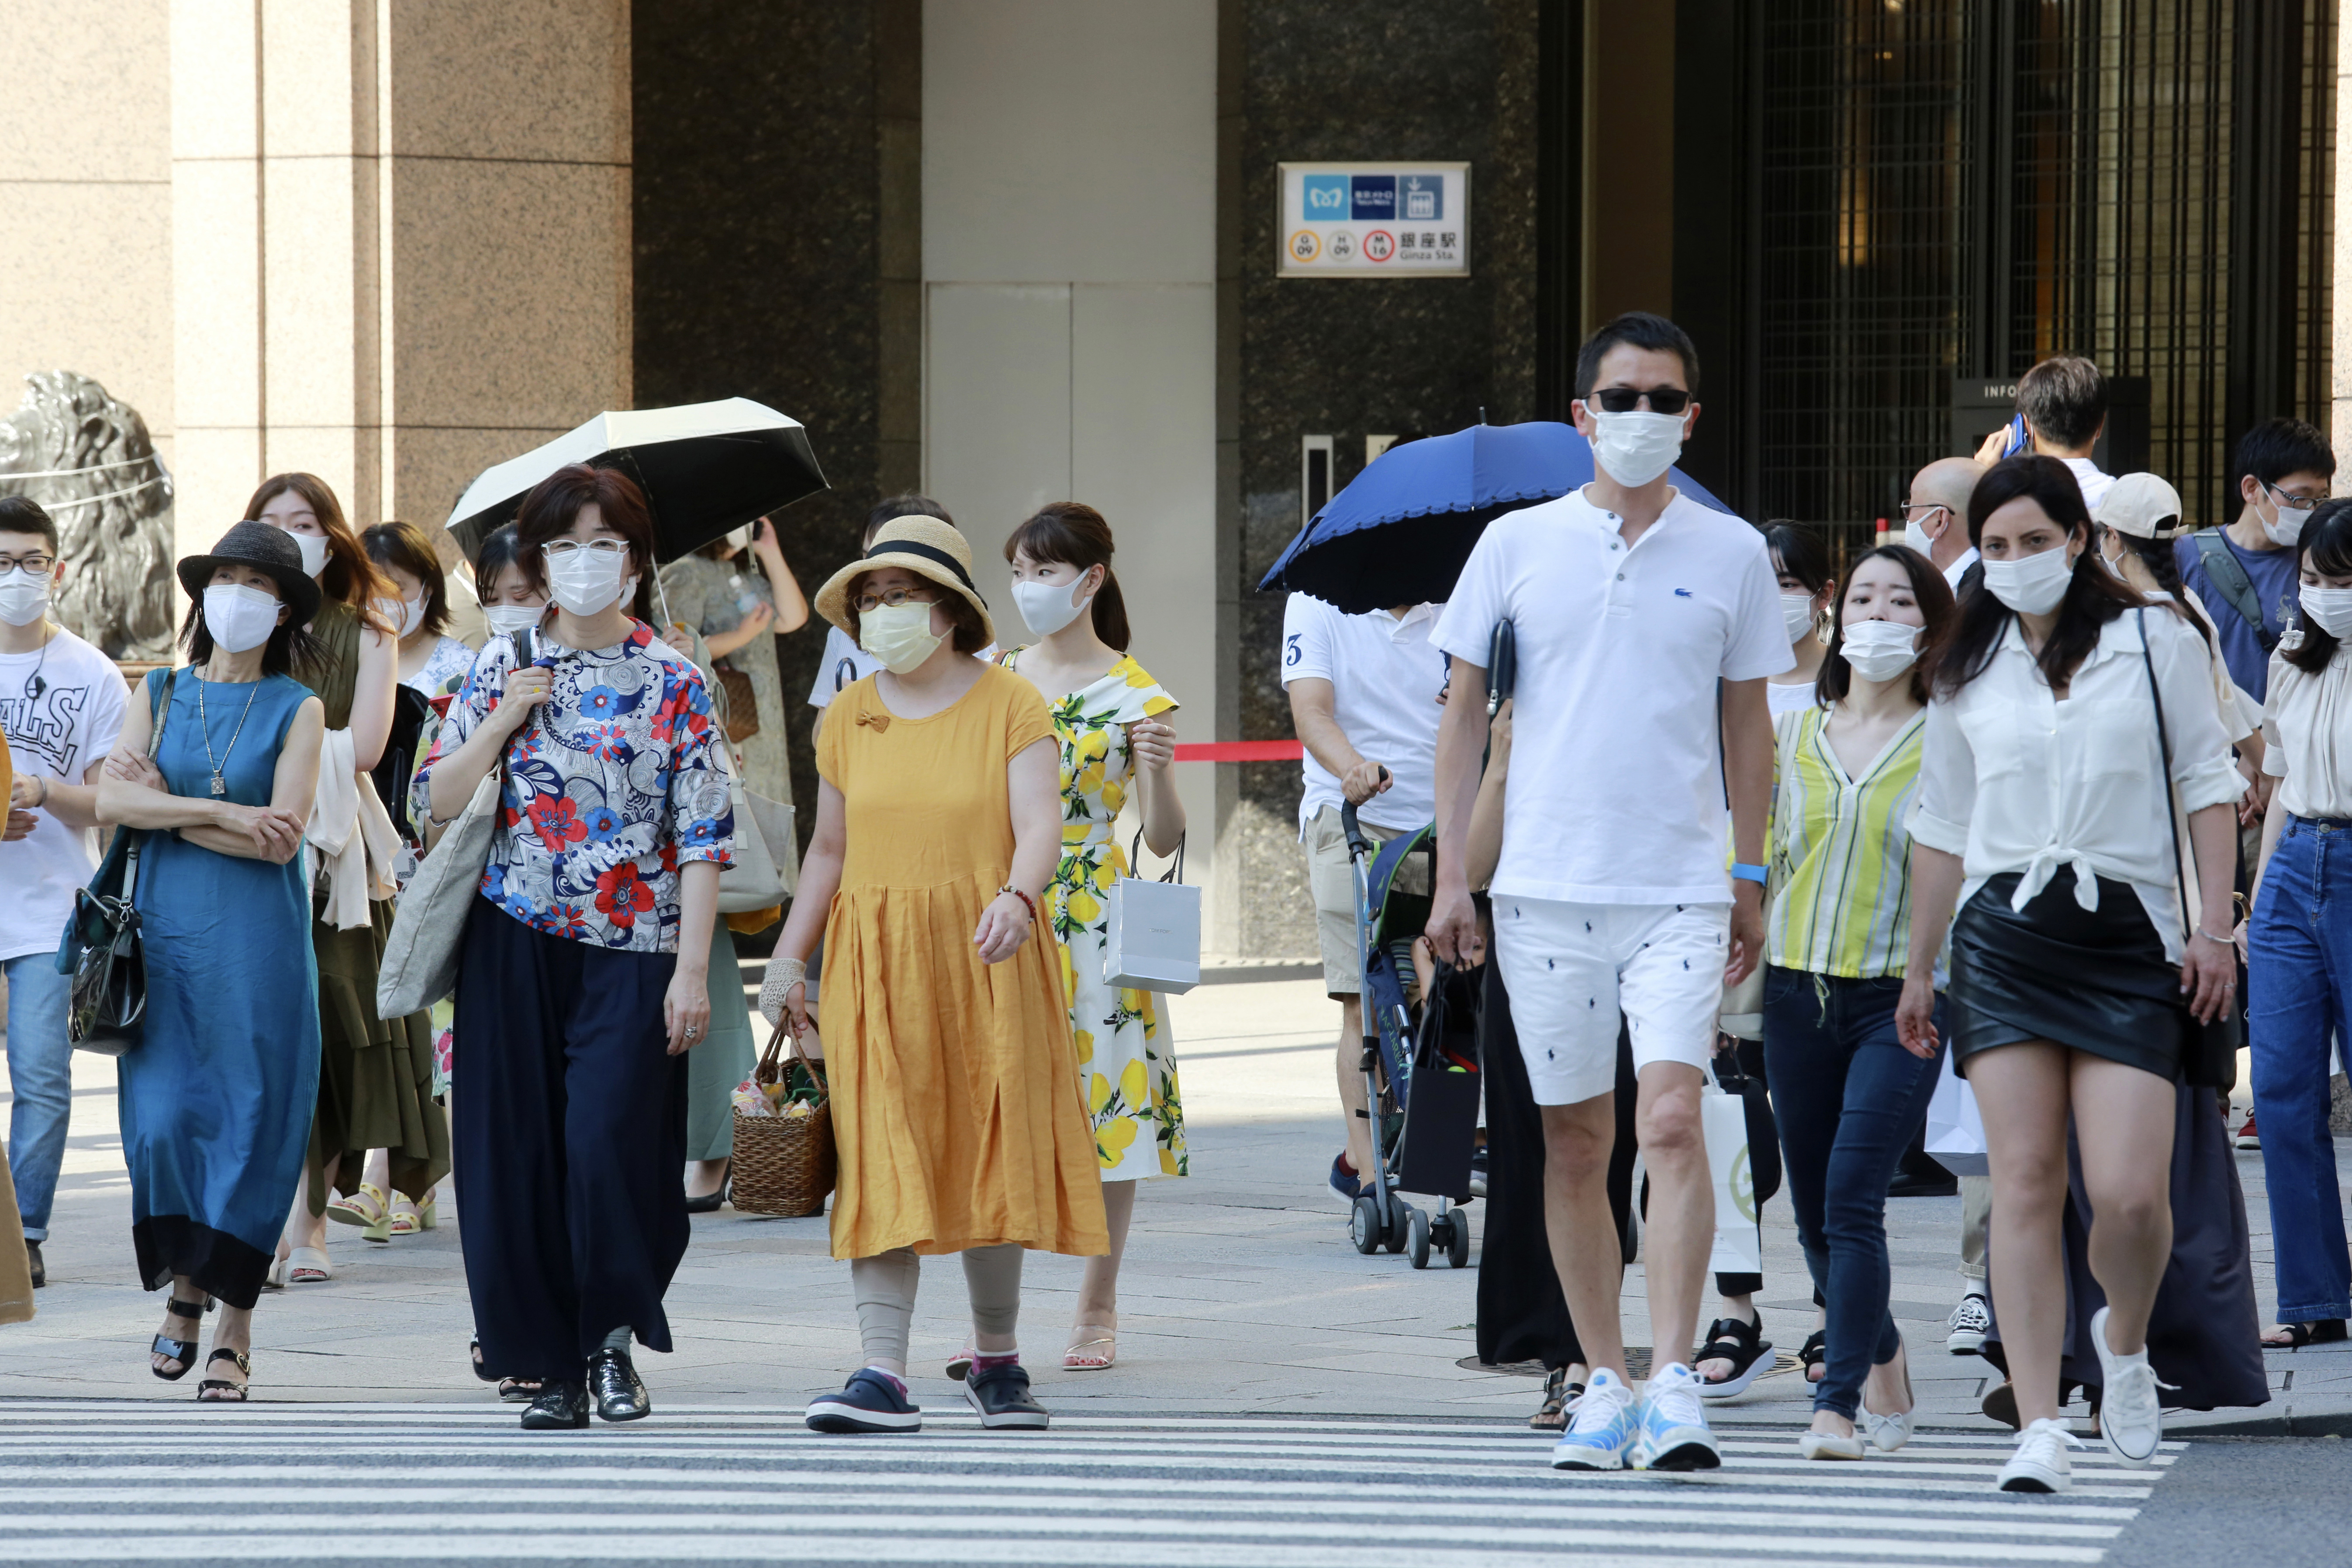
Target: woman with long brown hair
375,1078
1110,720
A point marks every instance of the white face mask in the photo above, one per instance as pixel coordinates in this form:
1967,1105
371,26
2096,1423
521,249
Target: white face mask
588,582
901,636
2330,609
1880,651
2033,586
1915,532
512,618
1047,608
1636,448
2284,526
313,547
24,596
407,615
1797,616
240,617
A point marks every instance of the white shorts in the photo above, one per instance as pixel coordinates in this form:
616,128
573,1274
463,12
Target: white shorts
1570,968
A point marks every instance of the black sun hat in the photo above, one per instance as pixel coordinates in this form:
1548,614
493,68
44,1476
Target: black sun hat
263,545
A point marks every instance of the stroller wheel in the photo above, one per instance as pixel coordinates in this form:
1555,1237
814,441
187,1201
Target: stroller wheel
1458,1241
1419,1239
1394,1233
1364,1224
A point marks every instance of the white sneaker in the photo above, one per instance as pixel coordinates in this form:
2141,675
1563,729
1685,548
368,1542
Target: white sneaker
1674,1435
2131,1417
2040,1464
1970,1322
1822,1445
1603,1424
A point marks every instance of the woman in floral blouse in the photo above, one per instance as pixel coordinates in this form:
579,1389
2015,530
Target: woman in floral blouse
1110,718
584,972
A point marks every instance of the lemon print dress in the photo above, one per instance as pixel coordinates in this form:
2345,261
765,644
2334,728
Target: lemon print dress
1127,1063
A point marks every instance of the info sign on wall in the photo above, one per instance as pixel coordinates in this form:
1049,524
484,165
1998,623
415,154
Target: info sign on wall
1375,220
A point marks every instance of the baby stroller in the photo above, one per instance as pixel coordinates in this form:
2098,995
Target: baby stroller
1393,889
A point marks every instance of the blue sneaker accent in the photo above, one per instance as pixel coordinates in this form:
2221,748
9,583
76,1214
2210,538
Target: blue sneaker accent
1345,1185
868,1402
1673,1429
1602,1425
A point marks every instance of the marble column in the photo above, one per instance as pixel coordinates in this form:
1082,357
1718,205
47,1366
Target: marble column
401,242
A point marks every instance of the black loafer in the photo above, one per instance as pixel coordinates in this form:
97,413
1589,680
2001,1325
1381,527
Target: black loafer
559,1407
1001,1394
40,1270
620,1395
708,1203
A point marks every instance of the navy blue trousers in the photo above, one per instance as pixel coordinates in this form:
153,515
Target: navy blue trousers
570,1139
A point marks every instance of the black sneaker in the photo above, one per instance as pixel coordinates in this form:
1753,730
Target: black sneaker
40,1270
620,1393
868,1402
559,1407
1001,1394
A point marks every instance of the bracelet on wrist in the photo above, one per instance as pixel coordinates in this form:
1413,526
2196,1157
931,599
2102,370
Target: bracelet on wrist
2223,941
1026,901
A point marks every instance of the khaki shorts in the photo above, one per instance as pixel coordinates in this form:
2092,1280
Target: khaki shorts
1333,882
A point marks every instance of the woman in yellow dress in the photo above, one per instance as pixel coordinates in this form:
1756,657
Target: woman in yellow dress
1110,718
947,1033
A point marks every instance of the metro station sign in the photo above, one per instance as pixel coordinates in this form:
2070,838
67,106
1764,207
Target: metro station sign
1374,220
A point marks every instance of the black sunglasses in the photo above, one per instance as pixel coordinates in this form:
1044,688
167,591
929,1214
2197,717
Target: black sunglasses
1626,399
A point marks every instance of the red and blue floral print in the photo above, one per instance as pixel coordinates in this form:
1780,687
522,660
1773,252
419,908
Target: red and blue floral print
610,787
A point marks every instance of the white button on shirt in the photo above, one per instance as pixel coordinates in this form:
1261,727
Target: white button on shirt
2012,779
1615,794
1385,678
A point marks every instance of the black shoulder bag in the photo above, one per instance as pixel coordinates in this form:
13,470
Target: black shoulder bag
2209,1052
110,975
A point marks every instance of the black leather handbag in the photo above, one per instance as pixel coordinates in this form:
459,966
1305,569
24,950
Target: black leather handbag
110,973
2209,1052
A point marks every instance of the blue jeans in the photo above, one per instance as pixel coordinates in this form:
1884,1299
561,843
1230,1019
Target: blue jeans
2299,991
1848,1098
40,1075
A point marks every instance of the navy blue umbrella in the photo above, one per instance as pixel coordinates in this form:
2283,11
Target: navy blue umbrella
1402,531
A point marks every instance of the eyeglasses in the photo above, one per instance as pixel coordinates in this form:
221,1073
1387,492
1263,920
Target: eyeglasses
894,598
1626,399
38,565
2290,500
601,549
1911,505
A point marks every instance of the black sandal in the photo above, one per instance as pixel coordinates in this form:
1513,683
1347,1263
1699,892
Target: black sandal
181,1351
232,1392
2318,1331
1553,1416
1744,1346
1815,1354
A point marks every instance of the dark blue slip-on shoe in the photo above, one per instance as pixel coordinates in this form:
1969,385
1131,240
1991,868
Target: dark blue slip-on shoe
1001,1394
1342,1182
868,1402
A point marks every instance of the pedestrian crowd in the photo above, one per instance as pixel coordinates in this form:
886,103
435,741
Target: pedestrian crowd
2028,809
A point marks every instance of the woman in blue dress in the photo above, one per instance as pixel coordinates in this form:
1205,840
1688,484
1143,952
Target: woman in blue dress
217,1095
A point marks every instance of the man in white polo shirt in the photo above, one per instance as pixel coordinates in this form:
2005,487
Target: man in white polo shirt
1364,700
1645,625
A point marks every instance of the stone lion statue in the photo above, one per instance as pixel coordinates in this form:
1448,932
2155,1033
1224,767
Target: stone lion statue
87,459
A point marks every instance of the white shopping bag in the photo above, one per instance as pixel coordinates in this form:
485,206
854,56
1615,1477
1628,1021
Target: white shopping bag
1738,1245
1954,1131
1153,943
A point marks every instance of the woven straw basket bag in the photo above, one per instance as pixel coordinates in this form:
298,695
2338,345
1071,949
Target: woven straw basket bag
783,1165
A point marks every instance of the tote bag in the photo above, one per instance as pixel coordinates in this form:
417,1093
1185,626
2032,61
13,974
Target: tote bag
1954,1136
1153,940
1738,1246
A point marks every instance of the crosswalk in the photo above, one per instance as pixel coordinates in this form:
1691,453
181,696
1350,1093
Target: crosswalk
111,1481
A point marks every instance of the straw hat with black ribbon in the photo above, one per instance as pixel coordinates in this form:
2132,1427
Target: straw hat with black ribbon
923,545
2142,505
266,548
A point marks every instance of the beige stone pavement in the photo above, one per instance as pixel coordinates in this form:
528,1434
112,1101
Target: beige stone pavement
1241,1292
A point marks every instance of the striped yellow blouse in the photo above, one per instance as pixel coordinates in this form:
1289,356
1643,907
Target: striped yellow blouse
1840,888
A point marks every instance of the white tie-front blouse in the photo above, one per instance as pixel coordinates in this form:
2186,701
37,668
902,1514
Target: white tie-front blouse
2013,779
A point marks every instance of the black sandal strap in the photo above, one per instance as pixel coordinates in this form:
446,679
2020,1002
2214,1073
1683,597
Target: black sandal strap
188,1309
1816,1347
1729,1339
182,1351
244,1364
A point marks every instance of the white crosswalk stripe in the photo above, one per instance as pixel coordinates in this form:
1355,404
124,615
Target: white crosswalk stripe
115,1481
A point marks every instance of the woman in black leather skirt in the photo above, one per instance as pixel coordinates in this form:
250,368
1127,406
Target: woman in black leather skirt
2044,815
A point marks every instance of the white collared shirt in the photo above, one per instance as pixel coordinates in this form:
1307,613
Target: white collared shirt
1385,677
1615,794
2012,779
2094,484
1960,569
2307,733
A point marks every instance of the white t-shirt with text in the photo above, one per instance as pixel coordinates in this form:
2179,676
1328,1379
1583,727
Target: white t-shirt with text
1616,790
1385,677
61,708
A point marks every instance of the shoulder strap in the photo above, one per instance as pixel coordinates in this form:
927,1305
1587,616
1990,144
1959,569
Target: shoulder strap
2164,774
2228,574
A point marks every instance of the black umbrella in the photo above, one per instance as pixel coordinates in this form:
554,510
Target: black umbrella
706,467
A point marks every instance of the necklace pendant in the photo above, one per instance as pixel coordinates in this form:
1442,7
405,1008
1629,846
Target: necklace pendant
218,787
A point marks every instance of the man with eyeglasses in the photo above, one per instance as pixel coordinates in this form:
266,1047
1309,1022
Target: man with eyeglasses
2245,574
1936,516
61,703
1645,625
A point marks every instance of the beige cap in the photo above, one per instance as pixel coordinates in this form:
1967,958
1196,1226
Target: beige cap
2142,505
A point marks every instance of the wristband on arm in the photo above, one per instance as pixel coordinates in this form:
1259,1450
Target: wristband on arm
1743,872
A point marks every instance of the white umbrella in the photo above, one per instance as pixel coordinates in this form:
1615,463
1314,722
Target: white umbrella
705,468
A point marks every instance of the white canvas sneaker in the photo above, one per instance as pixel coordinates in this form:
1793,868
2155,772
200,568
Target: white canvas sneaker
2040,1464
2131,1417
